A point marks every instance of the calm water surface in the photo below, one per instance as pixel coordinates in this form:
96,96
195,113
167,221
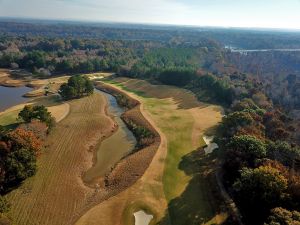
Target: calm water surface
12,96
113,148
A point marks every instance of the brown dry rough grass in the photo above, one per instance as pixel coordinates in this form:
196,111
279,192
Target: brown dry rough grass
125,173
180,121
58,110
56,193
8,81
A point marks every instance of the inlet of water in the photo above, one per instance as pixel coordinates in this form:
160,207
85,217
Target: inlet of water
113,148
11,96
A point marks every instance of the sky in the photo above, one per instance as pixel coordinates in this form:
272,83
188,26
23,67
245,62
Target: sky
224,13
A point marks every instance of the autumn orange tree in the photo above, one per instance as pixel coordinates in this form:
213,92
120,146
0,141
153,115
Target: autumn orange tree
21,138
18,153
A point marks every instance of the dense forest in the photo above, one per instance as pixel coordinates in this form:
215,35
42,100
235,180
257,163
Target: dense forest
258,137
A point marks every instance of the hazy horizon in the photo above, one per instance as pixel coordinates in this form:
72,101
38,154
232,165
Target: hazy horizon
98,22
274,14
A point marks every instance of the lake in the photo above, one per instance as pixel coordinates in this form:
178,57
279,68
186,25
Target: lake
11,96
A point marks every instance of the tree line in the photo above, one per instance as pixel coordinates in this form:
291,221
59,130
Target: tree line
19,150
261,161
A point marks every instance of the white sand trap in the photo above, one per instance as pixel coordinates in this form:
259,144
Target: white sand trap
210,145
142,218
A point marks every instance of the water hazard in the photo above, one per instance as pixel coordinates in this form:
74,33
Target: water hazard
12,96
113,148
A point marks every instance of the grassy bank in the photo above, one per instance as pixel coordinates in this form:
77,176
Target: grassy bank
58,109
181,121
56,193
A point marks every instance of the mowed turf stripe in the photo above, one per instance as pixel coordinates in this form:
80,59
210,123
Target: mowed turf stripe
56,192
173,110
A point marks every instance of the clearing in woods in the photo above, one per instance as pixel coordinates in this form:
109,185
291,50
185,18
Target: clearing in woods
179,186
56,193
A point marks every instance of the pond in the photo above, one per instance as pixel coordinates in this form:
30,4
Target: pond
11,96
113,148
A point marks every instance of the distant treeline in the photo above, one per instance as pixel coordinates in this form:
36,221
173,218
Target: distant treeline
44,56
257,138
241,38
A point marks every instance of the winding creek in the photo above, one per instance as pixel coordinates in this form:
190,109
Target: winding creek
113,148
12,96
107,154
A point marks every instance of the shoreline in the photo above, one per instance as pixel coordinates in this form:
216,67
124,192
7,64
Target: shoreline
115,128
130,168
157,156
150,192
126,172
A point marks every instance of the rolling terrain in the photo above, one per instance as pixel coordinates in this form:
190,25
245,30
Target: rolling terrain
168,178
56,193
171,171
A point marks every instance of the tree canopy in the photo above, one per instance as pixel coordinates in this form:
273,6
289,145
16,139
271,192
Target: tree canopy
18,152
37,112
77,87
260,189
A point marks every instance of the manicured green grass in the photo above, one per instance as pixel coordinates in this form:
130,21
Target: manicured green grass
138,93
9,119
177,125
187,188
